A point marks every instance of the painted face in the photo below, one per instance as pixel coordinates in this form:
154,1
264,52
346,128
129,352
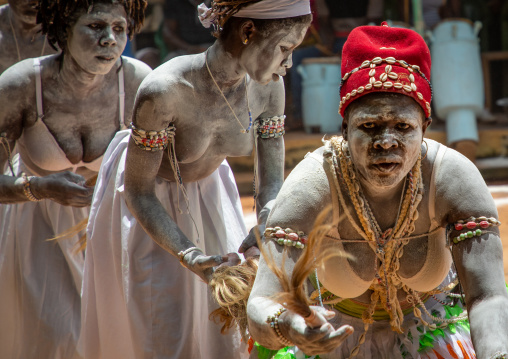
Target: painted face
384,133
25,10
271,55
98,38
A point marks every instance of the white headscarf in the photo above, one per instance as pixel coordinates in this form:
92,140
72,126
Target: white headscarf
264,9
275,9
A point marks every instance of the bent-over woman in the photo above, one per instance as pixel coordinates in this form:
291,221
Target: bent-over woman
61,112
166,208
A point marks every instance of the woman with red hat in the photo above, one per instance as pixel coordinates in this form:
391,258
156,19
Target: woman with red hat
420,270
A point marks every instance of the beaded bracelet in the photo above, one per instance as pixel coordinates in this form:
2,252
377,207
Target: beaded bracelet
272,127
152,140
273,320
286,237
499,355
26,188
182,254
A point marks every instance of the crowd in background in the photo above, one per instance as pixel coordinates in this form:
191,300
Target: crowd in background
172,28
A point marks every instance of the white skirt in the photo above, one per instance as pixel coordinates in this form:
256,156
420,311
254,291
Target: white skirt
138,301
40,281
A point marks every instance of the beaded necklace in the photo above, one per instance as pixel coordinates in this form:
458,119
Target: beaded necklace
388,251
244,130
387,245
16,39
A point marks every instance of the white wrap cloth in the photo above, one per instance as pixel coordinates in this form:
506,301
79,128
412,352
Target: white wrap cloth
40,280
138,301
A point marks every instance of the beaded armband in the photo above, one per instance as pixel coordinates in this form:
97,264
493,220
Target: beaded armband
472,227
287,237
272,127
273,320
152,140
26,188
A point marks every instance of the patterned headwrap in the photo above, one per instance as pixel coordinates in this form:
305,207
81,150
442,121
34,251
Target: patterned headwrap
221,10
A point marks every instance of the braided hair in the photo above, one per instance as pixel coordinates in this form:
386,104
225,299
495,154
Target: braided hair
222,10
56,16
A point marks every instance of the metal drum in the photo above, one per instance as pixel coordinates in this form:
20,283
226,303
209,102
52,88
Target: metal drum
457,77
320,94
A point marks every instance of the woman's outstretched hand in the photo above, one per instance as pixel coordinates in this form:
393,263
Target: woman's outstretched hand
202,265
316,337
66,188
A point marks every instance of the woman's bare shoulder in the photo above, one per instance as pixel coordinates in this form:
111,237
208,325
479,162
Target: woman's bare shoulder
271,97
171,77
461,191
304,194
135,70
17,88
18,76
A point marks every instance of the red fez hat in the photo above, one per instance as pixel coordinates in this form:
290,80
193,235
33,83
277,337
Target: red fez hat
386,59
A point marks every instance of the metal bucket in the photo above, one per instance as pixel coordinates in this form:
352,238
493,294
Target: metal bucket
320,94
457,77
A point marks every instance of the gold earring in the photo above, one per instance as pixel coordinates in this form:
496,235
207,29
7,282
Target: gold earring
245,41
427,151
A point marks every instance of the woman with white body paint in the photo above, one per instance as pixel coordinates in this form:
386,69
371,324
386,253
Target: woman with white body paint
60,111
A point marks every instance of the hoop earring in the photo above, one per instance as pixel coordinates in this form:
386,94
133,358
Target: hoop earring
427,151
245,41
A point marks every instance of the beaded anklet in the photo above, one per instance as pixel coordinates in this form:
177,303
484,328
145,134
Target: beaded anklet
287,237
26,188
272,127
473,223
273,320
152,140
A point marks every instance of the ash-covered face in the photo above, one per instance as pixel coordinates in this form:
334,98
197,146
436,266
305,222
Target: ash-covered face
269,57
25,10
384,134
97,39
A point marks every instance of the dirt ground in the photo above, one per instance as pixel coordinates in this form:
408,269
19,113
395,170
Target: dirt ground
499,193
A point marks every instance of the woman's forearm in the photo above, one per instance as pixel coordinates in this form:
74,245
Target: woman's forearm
270,173
488,318
157,223
258,310
12,190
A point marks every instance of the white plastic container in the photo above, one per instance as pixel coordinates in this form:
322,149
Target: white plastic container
457,77
321,94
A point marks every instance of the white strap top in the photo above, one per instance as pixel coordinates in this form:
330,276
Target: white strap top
39,149
340,278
